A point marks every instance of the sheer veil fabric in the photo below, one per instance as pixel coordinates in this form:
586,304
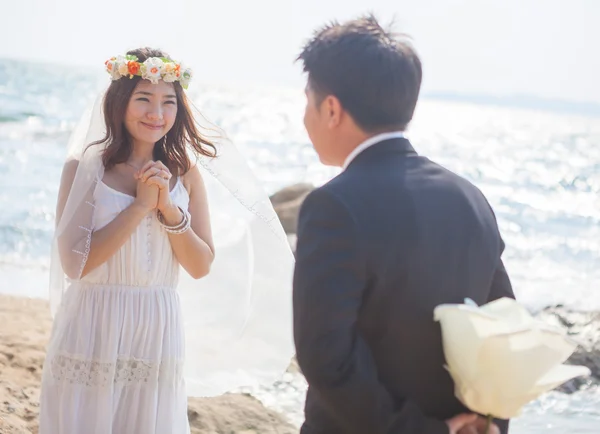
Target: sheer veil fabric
238,319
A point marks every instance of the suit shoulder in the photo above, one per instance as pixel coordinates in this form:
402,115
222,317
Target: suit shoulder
329,197
326,192
341,184
339,189
453,177
465,187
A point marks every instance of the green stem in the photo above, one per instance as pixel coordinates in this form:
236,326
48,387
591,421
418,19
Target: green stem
488,424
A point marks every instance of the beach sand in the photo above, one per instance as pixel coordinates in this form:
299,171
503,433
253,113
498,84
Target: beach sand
25,325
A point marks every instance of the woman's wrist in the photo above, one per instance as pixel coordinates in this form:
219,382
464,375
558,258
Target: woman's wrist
141,207
171,215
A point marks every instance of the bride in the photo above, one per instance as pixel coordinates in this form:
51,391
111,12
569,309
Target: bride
133,208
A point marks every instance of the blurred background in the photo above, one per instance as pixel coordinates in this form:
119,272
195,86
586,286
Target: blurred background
511,100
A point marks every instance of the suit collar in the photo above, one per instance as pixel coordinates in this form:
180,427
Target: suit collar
370,142
399,145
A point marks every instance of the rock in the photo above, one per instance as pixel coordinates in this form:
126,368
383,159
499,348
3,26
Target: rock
294,368
235,414
287,202
584,328
290,193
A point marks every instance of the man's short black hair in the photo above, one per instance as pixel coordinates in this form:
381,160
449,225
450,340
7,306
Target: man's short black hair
375,74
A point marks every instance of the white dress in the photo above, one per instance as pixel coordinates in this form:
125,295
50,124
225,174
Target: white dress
114,363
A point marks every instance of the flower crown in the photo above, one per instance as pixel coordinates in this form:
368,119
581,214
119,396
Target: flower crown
153,69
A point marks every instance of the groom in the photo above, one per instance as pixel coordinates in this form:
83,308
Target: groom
380,246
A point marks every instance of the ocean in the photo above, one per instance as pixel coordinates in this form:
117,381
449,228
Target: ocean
539,170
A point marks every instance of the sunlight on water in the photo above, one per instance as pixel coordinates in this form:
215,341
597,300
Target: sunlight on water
540,172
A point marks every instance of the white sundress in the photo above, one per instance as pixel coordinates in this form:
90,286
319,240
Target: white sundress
114,363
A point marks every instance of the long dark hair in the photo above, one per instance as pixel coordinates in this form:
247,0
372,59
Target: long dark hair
170,151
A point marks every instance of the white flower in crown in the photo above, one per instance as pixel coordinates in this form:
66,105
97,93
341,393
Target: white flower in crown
185,77
123,68
120,66
112,67
170,72
152,69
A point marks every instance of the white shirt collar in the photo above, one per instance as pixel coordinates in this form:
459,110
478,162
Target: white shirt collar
370,142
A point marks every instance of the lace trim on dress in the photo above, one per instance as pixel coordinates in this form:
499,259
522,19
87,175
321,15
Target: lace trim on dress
126,370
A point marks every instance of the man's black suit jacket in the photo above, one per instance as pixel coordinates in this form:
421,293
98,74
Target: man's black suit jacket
379,247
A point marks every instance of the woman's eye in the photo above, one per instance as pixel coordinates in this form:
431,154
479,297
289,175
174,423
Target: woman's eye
143,99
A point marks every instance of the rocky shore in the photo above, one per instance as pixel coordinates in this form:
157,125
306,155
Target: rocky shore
584,327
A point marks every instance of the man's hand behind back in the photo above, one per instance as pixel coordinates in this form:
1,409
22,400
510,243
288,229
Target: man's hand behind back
470,424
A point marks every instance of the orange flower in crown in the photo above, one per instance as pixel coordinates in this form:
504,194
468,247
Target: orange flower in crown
110,64
152,69
133,67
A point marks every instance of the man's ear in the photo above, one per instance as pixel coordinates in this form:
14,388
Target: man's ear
333,111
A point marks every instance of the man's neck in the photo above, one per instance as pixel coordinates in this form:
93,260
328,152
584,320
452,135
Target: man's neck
368,141
349,144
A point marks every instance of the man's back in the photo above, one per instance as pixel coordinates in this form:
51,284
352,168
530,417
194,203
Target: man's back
425,237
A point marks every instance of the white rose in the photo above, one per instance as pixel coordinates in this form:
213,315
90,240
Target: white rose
152,70
113,69
169,72
123,69
186,77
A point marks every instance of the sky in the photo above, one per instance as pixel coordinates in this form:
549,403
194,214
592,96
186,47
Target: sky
544,48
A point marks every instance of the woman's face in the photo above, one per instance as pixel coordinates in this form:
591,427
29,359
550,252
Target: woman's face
151,111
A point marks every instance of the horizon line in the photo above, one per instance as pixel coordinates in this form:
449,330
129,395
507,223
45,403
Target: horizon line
513,100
